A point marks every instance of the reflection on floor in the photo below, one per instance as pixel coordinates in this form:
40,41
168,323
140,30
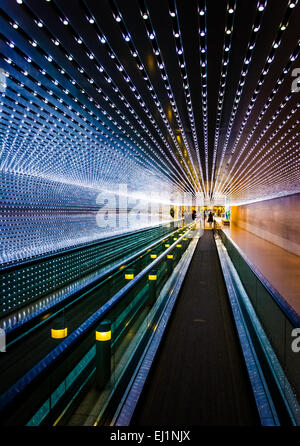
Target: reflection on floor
280,267
208,225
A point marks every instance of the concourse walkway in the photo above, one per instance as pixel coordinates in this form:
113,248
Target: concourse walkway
280,267
199,376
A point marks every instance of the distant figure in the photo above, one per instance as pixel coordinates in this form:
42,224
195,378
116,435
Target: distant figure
194,215
210,219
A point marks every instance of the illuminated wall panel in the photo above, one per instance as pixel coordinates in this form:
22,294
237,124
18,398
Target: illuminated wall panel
277,221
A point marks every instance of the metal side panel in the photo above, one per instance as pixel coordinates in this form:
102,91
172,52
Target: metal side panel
263,399
133,392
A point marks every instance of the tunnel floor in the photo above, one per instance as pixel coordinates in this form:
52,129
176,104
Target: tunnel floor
199,377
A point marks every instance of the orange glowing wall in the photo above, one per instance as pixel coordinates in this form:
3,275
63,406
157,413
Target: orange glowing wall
276,220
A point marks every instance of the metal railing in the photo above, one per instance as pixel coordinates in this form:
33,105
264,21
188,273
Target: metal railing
56,380
278,355
28,282
71,295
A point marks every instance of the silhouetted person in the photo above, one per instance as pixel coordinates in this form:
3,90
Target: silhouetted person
194,215
210,219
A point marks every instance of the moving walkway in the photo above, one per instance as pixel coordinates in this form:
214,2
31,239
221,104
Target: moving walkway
189,339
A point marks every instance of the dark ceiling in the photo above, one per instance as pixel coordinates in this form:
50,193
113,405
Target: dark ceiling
199,93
